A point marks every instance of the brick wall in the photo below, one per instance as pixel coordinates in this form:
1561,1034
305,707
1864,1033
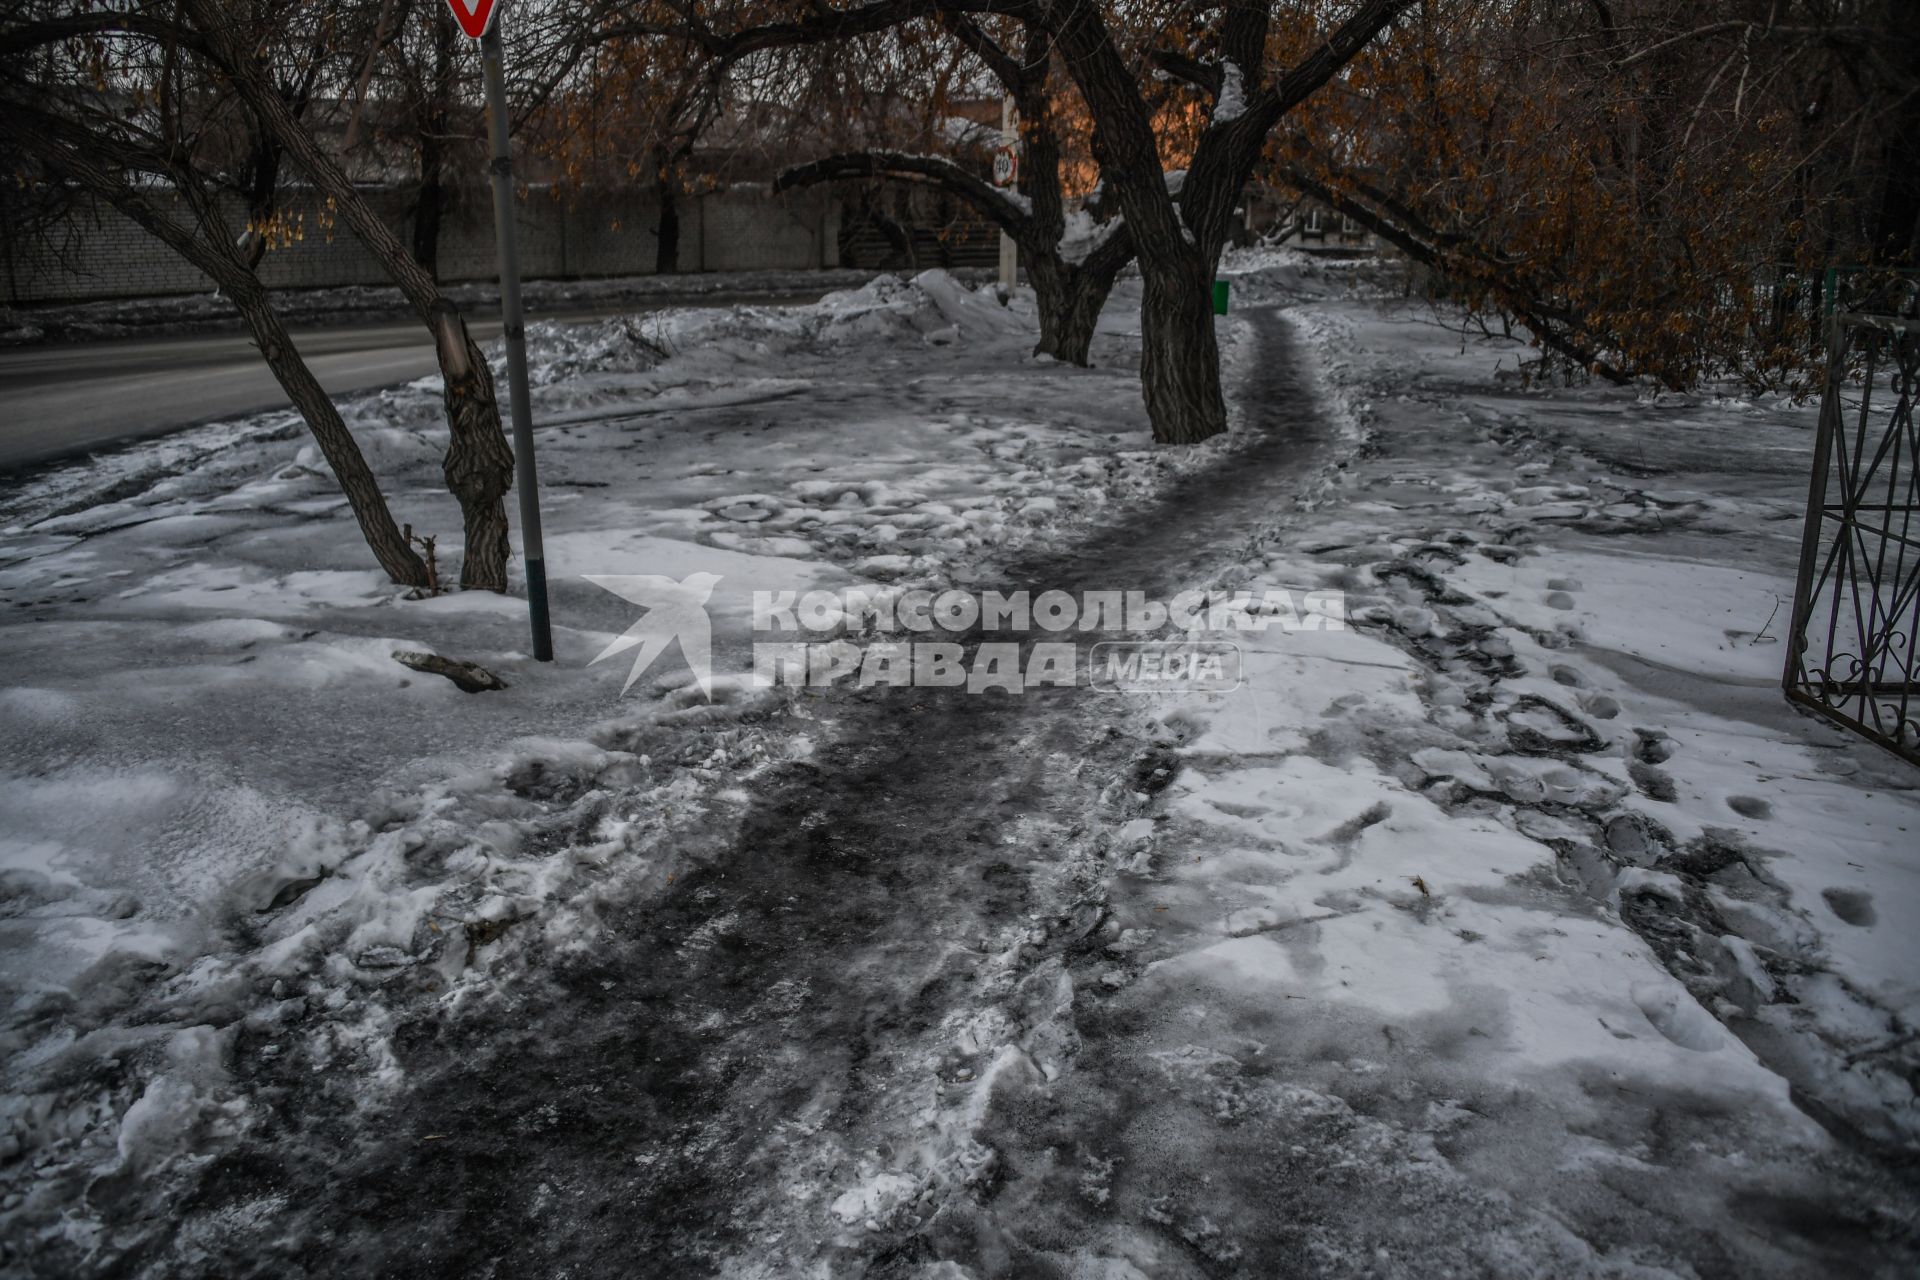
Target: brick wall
97,253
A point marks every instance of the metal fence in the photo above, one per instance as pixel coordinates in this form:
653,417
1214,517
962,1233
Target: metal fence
1856,606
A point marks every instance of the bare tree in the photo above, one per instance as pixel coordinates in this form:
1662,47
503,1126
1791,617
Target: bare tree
478,466
634,112
124,122
1179,244
1071,275
1109,51
1652,188
423,70
218,60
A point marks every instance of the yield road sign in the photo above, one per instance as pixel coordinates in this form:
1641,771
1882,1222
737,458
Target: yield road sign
474,16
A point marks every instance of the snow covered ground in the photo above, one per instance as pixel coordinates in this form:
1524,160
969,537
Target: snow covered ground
1522,929
220,786
1517,929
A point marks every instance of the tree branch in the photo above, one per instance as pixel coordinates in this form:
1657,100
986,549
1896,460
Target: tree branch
33,35
1194,71
976,191
824,27
1005,67
1553,332
1355,34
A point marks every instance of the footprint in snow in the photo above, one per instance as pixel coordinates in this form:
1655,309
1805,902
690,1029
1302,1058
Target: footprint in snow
1540,726
1637,839
1599,706
1653,746
1654,784
1852,905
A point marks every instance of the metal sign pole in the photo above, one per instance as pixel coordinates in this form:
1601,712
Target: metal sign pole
1009,251
514,329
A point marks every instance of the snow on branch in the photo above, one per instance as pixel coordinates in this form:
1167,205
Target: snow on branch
1224,81
1231,103
1172,65
1008,208
1084,237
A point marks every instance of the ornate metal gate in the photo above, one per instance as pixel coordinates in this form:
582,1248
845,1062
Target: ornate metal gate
1856,607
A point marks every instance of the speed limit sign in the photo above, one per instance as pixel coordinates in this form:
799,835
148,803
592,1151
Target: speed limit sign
1006,167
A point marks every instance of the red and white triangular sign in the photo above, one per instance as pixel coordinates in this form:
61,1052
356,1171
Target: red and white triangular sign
474,16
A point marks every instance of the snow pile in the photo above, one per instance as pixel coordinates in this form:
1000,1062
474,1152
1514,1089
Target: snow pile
559,353
932,304
716,355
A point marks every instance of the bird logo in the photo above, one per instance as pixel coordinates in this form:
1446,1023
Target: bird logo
674,611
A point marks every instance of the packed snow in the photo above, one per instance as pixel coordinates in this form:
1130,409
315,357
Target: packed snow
1532,873
1517,928
219,779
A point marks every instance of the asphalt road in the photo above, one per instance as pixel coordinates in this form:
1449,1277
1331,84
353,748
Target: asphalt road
60,400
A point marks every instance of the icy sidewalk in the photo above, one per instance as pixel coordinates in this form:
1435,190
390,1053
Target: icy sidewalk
1520,929
226,803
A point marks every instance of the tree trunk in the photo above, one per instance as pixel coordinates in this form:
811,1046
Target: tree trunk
428,208
899,235
1179,359
206,245
1179,353
1070,300
1071,294
479,465
666,260
349,465
430,205
1060,336
263,186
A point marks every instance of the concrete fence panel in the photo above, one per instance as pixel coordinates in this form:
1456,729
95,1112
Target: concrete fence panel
96,253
